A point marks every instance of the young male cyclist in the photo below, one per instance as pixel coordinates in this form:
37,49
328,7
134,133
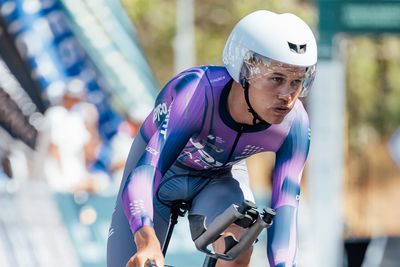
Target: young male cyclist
205,121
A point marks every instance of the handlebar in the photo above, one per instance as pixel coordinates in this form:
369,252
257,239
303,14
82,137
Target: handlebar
245,215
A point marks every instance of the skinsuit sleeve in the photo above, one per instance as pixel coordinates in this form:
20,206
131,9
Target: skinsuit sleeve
289,164
176,117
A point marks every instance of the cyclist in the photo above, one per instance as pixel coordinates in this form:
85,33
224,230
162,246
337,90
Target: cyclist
208,119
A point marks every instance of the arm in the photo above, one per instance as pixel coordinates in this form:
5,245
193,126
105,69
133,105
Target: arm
290,160
177,115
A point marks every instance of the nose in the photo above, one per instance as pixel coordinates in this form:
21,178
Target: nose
285,96
286,93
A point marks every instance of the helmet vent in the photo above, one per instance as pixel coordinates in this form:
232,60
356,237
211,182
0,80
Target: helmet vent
299,49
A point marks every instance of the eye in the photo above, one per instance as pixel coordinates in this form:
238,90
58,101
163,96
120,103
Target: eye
296,83
277,80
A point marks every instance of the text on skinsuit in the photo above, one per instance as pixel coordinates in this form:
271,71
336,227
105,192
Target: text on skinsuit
159,110
164,126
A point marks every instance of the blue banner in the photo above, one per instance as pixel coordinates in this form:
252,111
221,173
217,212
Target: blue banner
102,28
56,58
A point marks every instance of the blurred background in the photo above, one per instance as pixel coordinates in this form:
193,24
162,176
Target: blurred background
77,78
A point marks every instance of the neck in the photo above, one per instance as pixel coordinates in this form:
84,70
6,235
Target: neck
237,106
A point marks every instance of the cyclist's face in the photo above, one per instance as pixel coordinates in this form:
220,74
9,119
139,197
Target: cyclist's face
274,94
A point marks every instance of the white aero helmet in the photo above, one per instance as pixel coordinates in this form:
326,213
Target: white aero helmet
284,38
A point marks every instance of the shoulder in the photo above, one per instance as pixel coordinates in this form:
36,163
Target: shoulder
194,84
298,125
192,74
195,80
209,74
186,81
299,134
298,117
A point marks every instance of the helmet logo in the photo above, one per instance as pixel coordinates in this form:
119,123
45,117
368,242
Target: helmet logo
299,49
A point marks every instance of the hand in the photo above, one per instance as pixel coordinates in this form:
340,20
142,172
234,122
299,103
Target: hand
148,249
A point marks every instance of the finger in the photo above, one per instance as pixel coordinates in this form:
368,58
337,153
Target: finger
159,261
129,263
150,263
141,262
134,262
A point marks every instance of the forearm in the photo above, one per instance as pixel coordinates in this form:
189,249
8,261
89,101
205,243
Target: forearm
137,197
146,236
282,238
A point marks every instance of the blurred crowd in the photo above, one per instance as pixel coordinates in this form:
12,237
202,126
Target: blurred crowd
77,158
71,155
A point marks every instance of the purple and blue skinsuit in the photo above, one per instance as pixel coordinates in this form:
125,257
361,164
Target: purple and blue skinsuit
190,126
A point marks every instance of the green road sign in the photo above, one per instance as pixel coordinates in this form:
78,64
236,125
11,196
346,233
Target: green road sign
356,17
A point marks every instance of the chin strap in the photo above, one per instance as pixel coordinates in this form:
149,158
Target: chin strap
256,117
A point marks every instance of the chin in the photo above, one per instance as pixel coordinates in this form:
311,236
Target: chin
275,120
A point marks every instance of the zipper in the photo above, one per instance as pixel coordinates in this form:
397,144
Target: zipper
239,133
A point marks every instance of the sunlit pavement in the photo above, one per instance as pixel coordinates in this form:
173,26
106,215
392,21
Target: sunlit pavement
32,232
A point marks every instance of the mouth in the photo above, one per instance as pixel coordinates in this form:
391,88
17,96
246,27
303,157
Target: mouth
281,110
